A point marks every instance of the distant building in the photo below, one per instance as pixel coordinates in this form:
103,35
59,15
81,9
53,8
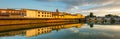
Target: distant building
104,20
117,20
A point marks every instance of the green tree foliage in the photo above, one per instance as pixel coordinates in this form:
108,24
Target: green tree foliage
110,15
91,14
112,21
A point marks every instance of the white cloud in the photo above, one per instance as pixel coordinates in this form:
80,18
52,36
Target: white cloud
103,6
74,30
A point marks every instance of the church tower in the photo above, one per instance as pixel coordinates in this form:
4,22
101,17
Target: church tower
57,11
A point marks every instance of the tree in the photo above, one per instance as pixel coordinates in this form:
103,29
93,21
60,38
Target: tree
109,15
91,14
112,21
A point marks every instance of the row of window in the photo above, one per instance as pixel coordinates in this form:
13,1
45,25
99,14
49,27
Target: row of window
44,13
45,16
22,14
48,16
11,12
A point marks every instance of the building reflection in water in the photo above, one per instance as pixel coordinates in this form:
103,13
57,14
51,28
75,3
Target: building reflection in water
43,30
38,31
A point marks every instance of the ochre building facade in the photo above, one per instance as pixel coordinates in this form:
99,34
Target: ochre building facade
32,13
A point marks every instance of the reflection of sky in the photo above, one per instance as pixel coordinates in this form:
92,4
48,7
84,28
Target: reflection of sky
85,32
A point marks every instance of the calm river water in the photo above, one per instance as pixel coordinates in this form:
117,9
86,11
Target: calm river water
69,31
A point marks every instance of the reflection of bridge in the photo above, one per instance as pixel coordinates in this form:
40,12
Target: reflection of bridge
37,31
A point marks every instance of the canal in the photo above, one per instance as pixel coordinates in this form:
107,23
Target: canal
67,31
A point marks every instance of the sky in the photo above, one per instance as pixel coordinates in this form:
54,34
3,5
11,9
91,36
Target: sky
98,7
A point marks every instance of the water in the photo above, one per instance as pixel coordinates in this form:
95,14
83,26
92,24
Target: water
69,31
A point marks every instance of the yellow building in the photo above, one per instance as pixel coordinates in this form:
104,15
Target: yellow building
83,16
80,16
30,13
58,16
44,14
73,16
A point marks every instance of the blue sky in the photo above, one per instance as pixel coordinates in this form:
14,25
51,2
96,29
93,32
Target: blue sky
49,6
98,7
